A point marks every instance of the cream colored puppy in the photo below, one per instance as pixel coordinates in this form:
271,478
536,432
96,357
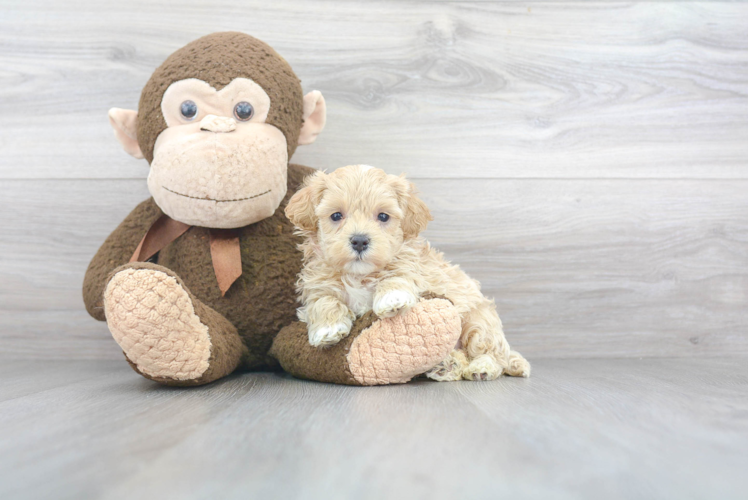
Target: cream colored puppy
362,252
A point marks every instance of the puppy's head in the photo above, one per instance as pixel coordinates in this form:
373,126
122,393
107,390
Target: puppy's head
358,216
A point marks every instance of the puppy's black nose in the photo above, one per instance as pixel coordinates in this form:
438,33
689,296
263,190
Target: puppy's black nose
359,242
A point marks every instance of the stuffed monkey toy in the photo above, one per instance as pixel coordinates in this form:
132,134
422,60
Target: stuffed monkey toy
198,281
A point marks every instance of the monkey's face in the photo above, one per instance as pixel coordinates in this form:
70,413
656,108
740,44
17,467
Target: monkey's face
217,145
218,164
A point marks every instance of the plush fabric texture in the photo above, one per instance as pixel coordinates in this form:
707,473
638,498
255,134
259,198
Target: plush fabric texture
153,319
242,325
226,253
115,251
176,324
394,350
217,59
258,304
376,352
166,333
219,180
161,233
296,356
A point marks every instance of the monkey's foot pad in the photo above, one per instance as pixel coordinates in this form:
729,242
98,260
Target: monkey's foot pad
153,320
394,350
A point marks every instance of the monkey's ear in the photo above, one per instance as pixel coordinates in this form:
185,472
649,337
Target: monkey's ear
125,125
301,206
416,215
315,115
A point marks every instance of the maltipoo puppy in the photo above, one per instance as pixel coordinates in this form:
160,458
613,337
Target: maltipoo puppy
362,252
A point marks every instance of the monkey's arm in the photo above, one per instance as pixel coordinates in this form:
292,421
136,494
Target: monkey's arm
116,250
377,351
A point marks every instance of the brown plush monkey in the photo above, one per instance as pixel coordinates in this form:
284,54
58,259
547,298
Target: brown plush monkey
198,280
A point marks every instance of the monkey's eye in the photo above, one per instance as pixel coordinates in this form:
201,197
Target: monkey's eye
383,217
188,109
243,111
336,217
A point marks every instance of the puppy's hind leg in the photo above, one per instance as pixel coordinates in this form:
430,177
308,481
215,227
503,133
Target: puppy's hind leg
518,365
484,343
450,369
487,349
483,367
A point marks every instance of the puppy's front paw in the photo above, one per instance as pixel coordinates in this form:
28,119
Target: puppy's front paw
321,336
391,303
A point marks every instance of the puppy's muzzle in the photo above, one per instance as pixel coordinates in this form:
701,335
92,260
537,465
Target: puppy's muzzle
359,242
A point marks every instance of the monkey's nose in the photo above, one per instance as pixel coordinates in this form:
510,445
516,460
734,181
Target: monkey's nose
218,124
360,242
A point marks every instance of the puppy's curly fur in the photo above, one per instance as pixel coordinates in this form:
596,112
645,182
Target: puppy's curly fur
362,252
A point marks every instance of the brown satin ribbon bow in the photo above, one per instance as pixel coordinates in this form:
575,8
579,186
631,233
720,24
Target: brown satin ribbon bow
224,248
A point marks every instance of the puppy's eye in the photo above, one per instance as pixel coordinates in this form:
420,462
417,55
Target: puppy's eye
188,109
336,217
243,111
383,217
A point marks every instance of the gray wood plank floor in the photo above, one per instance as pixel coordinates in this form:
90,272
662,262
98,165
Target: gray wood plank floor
585,160
653,428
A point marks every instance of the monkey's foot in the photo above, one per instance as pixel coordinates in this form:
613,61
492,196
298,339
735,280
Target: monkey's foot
377,351
394,350
153,319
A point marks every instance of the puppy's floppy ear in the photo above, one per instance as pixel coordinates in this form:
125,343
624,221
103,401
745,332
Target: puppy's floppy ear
416,214
300,208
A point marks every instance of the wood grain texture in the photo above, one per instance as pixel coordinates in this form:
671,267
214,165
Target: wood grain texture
578,268
585,160
438,89
582,429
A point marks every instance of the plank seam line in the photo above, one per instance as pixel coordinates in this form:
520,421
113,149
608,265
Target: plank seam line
450,179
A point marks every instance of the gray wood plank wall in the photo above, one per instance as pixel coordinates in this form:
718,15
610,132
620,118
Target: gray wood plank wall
587,161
